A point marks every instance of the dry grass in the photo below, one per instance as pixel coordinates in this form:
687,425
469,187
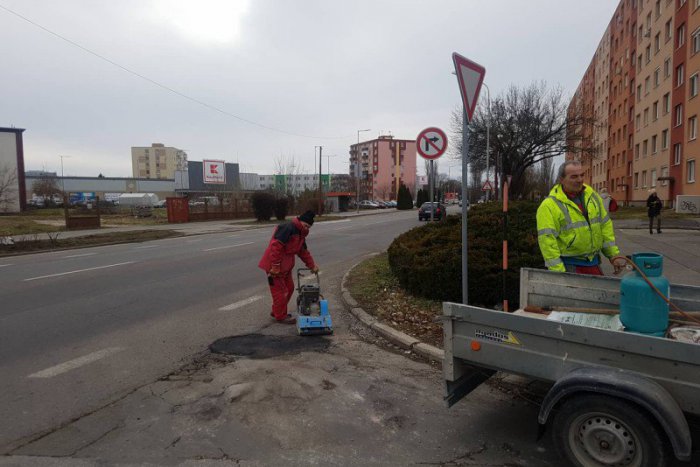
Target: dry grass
377,291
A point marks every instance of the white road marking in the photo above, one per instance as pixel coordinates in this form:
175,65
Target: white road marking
3,265
241,303
343,228
195,240
78,256
233,236
228,246
75,363
78,270
332,222
146,246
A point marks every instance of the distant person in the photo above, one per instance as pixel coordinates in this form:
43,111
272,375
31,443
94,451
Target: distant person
609,202
573,226
288,241
654,205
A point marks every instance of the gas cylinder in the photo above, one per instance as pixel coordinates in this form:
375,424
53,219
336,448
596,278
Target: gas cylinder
642,310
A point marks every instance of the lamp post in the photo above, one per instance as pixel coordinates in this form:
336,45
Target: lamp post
488,131
357,165
63,182
320,181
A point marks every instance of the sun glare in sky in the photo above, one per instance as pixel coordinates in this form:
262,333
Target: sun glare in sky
208,21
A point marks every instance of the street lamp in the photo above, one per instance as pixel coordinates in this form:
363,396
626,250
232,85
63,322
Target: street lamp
63,182
357,165
488,128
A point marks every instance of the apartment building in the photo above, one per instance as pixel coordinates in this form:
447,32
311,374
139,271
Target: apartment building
383,164
601,78
157,161
652,82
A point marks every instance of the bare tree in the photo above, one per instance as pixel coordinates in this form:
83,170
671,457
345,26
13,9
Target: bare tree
527,125
46,187
8,188
384,190
289,167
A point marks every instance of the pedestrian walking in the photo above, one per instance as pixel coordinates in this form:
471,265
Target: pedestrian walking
654,205
287,242
573,226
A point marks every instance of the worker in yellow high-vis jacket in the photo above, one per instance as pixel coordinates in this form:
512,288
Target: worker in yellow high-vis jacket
573,227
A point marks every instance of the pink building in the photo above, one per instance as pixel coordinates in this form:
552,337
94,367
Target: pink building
383,162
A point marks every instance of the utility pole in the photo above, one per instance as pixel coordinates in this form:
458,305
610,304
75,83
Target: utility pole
357,171
320,181
488,131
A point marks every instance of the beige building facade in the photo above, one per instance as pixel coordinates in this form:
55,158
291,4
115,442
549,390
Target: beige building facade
688,178
599,162
157,161
656,79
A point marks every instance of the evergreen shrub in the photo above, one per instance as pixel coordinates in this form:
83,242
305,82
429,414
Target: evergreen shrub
427,260
263,205
405,200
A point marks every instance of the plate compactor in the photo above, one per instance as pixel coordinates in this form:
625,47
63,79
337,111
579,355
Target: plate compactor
312,309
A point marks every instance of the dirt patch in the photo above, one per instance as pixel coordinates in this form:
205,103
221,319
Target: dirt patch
377,291
260,346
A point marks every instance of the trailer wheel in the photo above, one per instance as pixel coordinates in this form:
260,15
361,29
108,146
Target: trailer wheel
596,430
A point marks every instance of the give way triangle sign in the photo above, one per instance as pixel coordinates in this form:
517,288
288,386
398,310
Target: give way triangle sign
470,76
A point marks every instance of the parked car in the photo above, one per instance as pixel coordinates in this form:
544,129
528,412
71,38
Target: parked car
391,204
366,204
381,204
425,210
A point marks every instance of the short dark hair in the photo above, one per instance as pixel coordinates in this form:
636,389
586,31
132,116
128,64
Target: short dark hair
562,168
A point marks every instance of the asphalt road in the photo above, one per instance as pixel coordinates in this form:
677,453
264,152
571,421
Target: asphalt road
82,327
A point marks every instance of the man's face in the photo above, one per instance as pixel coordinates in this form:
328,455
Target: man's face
573,179
305,224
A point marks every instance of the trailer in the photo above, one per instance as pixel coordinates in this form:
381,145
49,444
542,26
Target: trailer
616,398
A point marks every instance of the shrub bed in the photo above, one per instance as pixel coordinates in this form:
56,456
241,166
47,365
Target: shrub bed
427,260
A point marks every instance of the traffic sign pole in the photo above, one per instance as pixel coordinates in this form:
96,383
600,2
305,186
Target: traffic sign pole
470,77
465,210
432,206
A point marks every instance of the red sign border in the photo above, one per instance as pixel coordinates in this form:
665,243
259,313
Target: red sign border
422,133
461,60
204,172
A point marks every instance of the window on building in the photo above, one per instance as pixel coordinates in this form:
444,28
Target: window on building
636,151
680,73
693,127
654,147
664,139
693,85
690,171
646,116
655,111
636,179
664,174
679,115
653,177
695,45
644,178
677,153
669,30
657,8
657,77
680,35
645,148
667,68
636,122
667,103
657,43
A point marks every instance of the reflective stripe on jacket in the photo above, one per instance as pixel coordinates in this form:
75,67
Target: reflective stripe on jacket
563,231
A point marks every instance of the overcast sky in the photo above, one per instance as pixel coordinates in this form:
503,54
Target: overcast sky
316,70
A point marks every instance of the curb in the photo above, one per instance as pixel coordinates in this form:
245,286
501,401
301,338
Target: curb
398,338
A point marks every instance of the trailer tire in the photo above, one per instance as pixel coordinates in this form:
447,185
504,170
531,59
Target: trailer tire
598,430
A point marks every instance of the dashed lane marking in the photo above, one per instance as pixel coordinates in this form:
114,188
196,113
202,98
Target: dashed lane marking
228,246
241,303
78,270
78,256
75,363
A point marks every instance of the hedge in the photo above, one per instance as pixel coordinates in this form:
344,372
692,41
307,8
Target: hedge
427,260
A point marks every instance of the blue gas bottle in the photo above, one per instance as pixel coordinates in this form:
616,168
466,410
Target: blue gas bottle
642,310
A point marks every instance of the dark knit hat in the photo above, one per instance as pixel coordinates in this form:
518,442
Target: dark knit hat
308,217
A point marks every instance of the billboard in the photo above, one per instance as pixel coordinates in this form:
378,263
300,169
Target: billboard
214,171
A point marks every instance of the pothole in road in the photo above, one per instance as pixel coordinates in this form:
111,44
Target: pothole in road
263,346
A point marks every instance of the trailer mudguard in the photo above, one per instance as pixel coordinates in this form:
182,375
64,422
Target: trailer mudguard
629,386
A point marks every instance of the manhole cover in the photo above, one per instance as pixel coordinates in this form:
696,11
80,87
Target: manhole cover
262,346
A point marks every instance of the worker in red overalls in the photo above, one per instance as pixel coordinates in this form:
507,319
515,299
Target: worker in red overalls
288,240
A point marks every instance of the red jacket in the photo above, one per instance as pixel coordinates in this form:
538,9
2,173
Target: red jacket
288,240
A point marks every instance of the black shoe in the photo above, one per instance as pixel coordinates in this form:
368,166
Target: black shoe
651,233
658,231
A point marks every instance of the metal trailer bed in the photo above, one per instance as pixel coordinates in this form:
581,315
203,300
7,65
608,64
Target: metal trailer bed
644,383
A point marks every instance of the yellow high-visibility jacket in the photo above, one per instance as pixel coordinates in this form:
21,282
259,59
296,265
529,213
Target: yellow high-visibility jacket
562,229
